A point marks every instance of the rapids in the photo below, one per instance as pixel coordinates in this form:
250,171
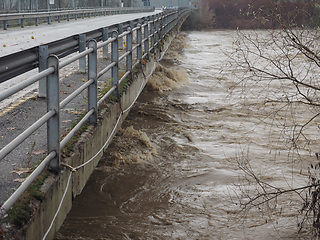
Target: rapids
172,171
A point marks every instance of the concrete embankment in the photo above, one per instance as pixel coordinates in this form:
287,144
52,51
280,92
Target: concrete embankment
54,200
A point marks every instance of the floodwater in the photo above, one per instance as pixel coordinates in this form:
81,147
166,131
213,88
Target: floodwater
174,169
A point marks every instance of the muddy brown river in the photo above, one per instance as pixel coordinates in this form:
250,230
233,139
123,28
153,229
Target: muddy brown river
172,172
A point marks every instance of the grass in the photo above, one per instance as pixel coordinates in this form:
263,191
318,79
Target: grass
22,210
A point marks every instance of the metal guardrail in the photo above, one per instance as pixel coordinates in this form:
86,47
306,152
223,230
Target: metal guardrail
154,30
17,63
67,14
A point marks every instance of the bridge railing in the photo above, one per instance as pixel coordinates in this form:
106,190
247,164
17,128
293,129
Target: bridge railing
154,30
49,16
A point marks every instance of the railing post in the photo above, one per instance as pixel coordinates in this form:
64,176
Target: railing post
92,74
22,23
43,55
157,36
37,21
120,31
105,36
53,124
115,59
152,34
146,37
129,49
139,40
82,47
161,26
165,24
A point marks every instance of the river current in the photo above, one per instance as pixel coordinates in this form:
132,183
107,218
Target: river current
172,171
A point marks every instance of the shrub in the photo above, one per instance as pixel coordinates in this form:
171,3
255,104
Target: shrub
249,14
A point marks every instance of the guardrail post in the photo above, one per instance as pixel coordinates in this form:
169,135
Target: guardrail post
146,37
92,74
5,24
49,20
105,36
37,21
22,23
59,19
139,40
131,24
115,59
43,55
129,49
82,47
53,124
120,31
68,17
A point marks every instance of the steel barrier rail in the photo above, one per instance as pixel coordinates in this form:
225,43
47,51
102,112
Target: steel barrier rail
17,63
50,14
160,26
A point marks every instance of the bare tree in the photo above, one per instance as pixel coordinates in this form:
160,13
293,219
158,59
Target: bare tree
281,67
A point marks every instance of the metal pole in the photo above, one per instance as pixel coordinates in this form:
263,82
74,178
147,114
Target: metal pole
53,124
49,19
82,47
129,49
92,74
5,25
19,9
43,55
105,36
115,59
139,40
120,31
152,33
157,35
146,37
